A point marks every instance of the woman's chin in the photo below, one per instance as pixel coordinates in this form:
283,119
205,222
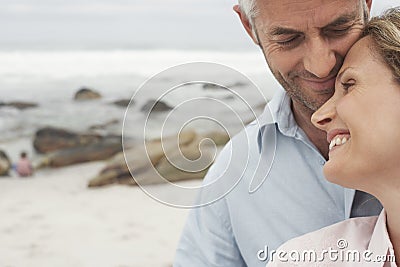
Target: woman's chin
334,175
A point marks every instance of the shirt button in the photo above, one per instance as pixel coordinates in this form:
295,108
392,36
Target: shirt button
322,162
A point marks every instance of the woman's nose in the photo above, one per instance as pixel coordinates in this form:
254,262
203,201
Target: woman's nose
324,115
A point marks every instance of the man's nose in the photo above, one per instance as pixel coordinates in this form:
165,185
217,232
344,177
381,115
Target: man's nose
325,115
319,58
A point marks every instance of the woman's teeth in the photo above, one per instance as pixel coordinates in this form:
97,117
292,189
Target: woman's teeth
337,142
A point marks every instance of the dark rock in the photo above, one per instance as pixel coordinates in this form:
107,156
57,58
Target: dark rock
5,164
122,103
238,84
229,97
86,94
212,86
19,105
52,139
101,150
155,106
112,176
104,125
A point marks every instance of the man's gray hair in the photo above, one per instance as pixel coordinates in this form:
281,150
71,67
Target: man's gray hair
248,7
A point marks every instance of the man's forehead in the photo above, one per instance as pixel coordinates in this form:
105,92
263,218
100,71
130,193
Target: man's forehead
302,5
289,13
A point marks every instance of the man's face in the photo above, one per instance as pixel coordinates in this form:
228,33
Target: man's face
305,42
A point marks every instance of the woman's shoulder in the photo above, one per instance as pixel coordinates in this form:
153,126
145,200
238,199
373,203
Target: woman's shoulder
354,228
351,234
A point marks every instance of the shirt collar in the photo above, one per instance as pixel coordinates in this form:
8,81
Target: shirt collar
380,244
348,200
278,112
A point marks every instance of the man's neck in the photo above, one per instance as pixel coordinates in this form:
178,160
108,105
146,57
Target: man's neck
302,116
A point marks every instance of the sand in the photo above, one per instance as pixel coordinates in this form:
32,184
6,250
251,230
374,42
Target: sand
53,219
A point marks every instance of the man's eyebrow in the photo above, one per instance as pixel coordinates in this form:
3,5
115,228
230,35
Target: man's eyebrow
343,19
282,31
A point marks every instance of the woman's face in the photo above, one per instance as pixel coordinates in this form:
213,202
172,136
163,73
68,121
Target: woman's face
362,121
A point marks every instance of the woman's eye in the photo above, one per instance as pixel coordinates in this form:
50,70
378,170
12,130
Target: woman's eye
347,85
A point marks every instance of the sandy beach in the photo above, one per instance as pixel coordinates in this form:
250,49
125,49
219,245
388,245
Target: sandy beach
53,219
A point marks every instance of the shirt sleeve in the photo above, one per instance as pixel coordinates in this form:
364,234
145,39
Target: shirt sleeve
207,238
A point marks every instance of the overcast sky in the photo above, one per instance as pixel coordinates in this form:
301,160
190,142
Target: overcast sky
197,24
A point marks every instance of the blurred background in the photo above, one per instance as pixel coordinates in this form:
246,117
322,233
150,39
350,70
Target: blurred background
67,72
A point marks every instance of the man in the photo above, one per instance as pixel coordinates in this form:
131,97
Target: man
304,43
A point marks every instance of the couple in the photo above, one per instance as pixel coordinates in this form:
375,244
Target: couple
304,43
362,124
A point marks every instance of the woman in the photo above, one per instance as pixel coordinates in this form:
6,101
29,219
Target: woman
362,122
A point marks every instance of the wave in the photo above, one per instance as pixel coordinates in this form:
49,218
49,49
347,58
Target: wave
62,64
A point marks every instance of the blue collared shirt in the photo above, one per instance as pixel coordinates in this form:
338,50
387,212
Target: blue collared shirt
271,187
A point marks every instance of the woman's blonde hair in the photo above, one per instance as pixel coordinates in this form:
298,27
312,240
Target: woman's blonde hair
384,30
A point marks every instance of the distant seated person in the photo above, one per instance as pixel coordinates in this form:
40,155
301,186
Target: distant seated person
24,166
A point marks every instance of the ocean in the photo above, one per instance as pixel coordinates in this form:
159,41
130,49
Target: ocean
50,78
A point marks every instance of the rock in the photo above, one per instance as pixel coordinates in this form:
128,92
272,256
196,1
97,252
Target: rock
52,139
70,148
102,150
117,171
238,84
146,161
19,105
86,94
5,164
155,106
211,86
122,103
185,164
229,97
219,138
104,125
112,176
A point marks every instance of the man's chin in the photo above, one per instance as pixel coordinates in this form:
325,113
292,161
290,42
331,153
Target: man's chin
320,96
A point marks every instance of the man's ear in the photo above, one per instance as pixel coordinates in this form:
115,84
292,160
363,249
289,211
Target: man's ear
246,23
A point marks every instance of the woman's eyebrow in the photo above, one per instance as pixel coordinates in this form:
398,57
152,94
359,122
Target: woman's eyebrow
339,76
